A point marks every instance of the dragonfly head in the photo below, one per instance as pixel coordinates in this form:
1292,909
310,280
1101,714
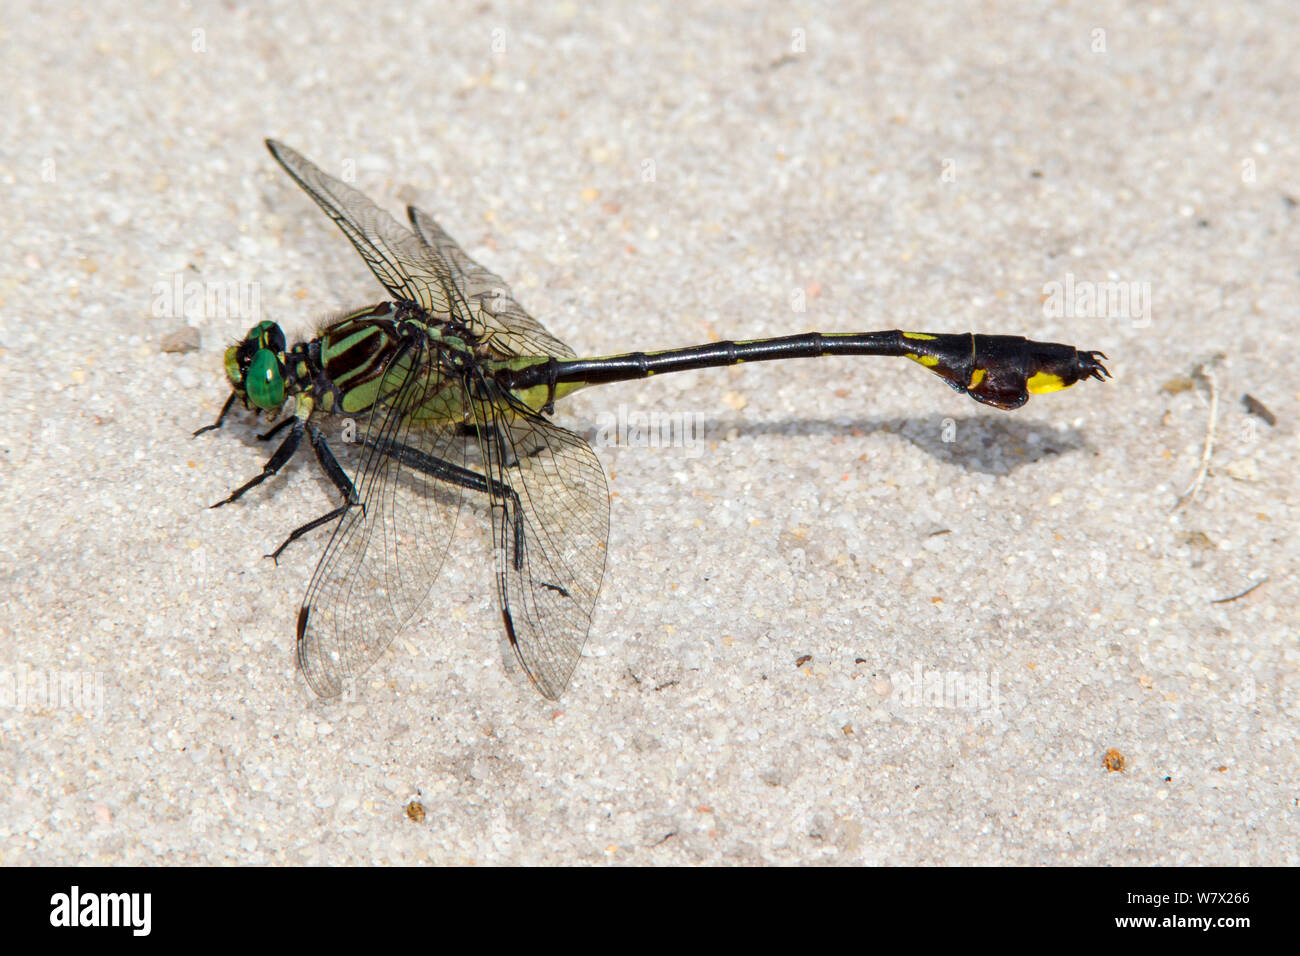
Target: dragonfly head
256,366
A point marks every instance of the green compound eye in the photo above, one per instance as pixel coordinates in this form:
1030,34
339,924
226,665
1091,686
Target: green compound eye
265,384
268,336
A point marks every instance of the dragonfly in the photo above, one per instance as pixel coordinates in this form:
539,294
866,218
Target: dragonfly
452,386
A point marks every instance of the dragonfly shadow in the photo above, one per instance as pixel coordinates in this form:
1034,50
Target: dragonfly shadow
972,443
978,444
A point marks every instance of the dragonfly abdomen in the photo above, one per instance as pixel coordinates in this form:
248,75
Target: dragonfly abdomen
999,370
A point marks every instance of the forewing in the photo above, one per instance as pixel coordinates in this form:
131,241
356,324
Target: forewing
405,265
550,530
384,555
493,313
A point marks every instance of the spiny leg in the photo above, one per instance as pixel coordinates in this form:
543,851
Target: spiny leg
277,461
220,418
278,427
463,477
330,465
507,453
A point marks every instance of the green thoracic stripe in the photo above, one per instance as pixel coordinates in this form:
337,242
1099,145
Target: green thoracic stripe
354,354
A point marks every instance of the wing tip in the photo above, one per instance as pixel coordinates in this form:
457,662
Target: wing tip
321,688
547,688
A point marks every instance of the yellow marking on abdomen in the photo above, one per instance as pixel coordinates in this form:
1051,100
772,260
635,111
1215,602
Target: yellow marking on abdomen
929,361
1045,382
976,377
924,337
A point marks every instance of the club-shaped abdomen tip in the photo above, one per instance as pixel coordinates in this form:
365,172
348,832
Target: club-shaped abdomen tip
1090,366
1055,369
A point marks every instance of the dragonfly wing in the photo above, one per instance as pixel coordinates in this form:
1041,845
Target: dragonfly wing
550,530
406,266
494,314
385,554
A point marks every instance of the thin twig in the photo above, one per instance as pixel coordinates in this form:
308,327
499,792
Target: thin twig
1242,594
1205,371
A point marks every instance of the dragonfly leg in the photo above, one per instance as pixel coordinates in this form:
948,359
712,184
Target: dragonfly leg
276,462
458,475
338,512
279,427
442,470
330,465
220,418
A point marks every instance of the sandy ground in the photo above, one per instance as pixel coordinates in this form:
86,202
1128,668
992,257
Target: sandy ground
857,618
